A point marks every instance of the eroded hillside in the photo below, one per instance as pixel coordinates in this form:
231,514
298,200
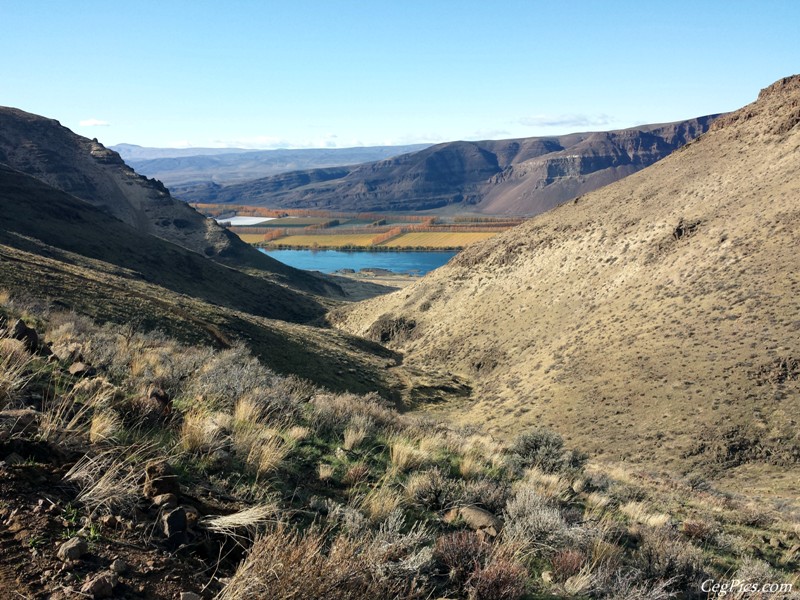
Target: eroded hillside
654,320
44,149
524,176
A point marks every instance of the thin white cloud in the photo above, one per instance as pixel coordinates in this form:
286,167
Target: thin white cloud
489,134
570,120
94,123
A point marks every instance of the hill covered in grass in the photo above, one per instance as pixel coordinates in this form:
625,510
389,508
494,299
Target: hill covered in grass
63,250
521,176
654,320
135,466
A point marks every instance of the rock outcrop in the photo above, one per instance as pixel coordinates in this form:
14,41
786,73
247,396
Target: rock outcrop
520,176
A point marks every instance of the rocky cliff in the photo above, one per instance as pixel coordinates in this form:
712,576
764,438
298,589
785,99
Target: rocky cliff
522,176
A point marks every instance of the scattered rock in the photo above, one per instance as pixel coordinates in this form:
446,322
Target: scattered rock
72,549
109,521
174,525
166,501
13,459
20,331
192,516
100,586
119,566
81,369
72,352
160,478
14,421
155,405
475,518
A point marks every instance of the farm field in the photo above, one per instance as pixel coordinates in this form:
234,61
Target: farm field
251,238
431,239
297,221
312,229
329,240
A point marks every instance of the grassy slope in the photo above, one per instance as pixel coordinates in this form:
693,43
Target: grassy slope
595,319
98,266
31,208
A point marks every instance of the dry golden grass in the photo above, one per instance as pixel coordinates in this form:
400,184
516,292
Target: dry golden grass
245,521
639,512
199,433
353,436
404,455
266,456
72,414
597,503
548,485
105,426
296,434
15,372
471,466
325,471
381,502
110,480
247,412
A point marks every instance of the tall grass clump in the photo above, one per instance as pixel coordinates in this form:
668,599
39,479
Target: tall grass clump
15,369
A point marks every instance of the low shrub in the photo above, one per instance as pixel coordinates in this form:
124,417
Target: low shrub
544,449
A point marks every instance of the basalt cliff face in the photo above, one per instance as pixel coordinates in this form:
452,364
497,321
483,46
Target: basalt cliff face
521,176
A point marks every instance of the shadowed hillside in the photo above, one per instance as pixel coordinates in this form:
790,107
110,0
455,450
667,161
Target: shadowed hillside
653,320
522,176
84,168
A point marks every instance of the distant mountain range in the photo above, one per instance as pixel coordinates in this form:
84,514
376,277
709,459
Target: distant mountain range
180,169
520,176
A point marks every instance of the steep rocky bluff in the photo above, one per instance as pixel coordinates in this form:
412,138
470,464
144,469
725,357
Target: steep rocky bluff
84,168
520,176
655,319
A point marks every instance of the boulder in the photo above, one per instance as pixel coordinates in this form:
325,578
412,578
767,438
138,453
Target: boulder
119,566
475,518
190,596
100,586
166,501
174,525
81,369
159,479
27,335
15,421
71,352
72,549
192,516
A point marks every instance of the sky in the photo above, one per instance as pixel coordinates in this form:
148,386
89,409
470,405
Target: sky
339,73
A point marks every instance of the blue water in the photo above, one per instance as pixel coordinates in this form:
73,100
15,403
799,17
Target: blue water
329,261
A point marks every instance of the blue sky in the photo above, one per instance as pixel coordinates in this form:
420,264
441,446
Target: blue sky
301,73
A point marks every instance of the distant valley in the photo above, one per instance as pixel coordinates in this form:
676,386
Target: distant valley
182,170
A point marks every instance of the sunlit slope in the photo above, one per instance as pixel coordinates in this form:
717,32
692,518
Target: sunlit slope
655,319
